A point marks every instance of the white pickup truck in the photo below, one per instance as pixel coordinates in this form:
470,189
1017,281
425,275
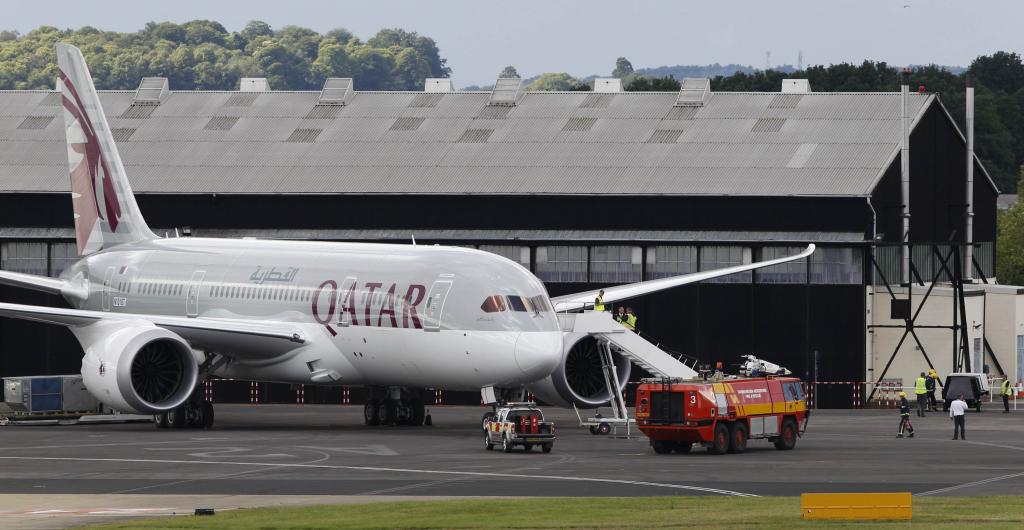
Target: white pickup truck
519,424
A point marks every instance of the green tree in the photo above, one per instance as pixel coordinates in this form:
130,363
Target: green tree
373,68
551,81
1001,71
332,61
341,35
1010,241
509,71
622,68
639,83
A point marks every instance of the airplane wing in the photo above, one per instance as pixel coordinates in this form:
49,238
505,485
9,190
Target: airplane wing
31,281
219,334
633,290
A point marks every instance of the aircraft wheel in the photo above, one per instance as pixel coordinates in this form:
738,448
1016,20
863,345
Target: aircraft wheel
160,420
176,417
419,412
206,408
371,412
386,412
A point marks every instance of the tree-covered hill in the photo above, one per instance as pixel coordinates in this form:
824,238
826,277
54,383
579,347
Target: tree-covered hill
202,55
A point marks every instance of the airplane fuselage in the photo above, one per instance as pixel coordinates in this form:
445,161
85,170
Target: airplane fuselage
374,314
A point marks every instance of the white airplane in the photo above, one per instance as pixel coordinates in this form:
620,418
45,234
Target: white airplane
157,316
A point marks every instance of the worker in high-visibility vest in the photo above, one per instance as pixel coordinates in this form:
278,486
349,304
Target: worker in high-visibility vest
1005,390
599,301
921,389
631,319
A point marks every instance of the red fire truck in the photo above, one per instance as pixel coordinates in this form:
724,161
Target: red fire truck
721,415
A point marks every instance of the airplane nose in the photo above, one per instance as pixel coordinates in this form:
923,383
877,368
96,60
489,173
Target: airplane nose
538,353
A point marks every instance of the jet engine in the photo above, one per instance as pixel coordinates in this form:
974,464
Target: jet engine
579,378
136,366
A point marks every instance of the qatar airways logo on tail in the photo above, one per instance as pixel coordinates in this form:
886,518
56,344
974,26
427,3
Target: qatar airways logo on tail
375,304
91,182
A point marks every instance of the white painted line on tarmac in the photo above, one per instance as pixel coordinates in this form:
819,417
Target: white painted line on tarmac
390,469
970,484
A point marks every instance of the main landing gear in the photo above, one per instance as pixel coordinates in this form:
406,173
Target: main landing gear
398,407
191,414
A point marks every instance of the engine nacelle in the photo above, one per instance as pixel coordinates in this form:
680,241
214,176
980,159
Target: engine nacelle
136,366
579,379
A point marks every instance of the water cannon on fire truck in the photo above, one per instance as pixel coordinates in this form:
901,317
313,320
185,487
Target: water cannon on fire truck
754,367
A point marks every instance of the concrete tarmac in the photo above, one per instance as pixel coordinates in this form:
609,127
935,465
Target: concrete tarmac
320,450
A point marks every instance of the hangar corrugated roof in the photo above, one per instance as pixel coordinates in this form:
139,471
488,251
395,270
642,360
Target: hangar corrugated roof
631,143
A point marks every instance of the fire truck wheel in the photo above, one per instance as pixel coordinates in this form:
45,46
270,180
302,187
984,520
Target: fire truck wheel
720,443
506,444
488,416
487,441
546,448
787,438
604,429
593,429
661,447
682,447
737,437
371,414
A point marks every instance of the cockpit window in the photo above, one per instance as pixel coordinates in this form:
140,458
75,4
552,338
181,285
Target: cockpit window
540,303
493,304
517,303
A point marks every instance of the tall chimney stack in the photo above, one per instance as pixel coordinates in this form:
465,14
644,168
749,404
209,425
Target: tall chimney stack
905,176
969,195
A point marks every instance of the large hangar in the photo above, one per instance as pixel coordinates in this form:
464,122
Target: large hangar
584,188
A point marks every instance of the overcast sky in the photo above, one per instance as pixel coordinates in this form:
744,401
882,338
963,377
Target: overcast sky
583,37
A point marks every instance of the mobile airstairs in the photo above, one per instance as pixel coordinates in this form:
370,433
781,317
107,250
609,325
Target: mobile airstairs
611,337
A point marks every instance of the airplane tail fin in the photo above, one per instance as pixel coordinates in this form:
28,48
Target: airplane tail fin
105,210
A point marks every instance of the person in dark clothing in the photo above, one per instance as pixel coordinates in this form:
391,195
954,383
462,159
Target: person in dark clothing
930,385
905,425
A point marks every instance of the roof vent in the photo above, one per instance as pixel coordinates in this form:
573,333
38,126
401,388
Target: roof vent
151,90
253,84
611,84
336,91
438,84
506,91
796,86
694,92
